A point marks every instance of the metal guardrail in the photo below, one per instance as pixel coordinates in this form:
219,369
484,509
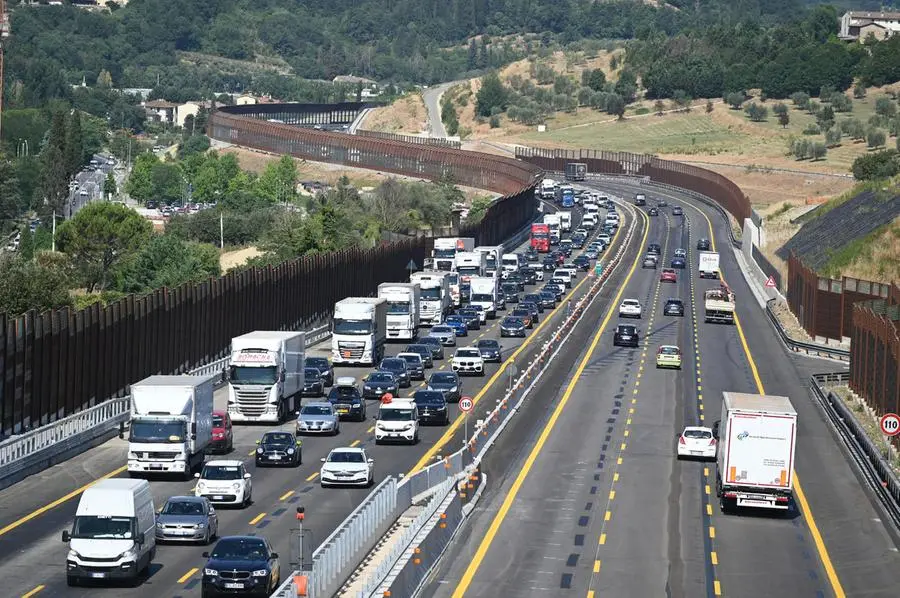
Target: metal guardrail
816,349
50,443
870,461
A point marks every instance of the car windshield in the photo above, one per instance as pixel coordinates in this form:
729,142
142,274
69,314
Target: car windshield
345,457
430,342
278,438
626,329
488,344
352,327
511,321
103,527
183,507
432,293
698,434
443,378
673,302
253,375
454,320
482,297
441,330
427,397
468,353
155,431
218,421
395,415
311,374
398,307
221,472
240,549
381,378
630,303
419,349
411,359
393,364
320,363
669,351
521,313
315,410
343,392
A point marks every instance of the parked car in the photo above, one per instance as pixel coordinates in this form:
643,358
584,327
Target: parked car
187,519
279,448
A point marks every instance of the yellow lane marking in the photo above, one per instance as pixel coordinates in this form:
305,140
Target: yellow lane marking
257,519
596,566
312,477
717,587
286,495
714,557
712,532
452,428
607,516
188,575
251,453
59,501
491,533
31,593
830,572
354,443
602,539
370,430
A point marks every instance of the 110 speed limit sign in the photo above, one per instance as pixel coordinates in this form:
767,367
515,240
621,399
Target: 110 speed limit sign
890,424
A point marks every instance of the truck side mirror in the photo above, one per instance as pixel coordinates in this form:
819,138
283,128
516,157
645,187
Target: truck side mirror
140,538
194,431
716,429
66,536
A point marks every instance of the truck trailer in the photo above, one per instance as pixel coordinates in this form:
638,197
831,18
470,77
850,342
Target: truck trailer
757,438
360,331
265,375
708,266
575,171
434,296
171,424
718,306
446,248
402,309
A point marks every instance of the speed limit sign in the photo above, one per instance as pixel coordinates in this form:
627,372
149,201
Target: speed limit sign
466,404
890,424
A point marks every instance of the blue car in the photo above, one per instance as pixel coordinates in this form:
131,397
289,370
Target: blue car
458,324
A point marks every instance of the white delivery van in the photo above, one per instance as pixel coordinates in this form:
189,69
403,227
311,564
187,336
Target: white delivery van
397,421
113,536
589,220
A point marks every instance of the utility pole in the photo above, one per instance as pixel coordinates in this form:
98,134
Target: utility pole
4,33
53,242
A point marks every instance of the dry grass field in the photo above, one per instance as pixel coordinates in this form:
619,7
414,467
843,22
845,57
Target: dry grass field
406,115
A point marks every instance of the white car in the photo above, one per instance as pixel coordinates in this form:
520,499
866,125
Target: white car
468,360
680,253
347,466
697,441
224,482
564,275
630,308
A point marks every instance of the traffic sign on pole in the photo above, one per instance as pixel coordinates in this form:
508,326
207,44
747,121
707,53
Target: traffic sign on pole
466,404
770,283
890,424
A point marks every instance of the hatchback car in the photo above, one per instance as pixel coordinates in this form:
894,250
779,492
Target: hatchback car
279,448
654,248
325,368
458,324
680,253
423,351
187,519
662,203
347,466
447,383
677,211
318,417
668,356
241,565
436,346
703,245
398,368
630,308
697,441
673,307
222,433
432,407
512,326
668,275
649,262
490,350
313,385
378,384
548,299
347,399
225,481
445,334
626,335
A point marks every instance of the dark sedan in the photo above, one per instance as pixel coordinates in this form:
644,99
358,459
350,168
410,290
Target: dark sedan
703,245
447,383
529,274
414,365
241,565
424,352
313,385
398,368
432,407
549,263
582,262
378,384
677,262
556,289
470,315
536,299
653,212
548,299
279,448
674,307
516,278
490,350
348,401
324,366
510,292
436,346
512,326
532,308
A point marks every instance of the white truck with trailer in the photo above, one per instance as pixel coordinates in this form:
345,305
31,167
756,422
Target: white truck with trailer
548,189
359,331
553,223
266,375
403,305
757,438
718,306
485,292
709,264
171,424
470,263
493,255
434,296
445,249
565,221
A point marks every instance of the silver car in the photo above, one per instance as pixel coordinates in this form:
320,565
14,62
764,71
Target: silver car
445,334
187,519
318,417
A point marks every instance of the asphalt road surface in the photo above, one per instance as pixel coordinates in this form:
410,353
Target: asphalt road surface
38,509
90,185
594,503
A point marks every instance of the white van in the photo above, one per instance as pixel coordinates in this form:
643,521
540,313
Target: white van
612,218
397,420
113,536
589,220
510,264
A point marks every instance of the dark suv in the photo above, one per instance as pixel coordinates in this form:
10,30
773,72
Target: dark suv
324,366
626,336
674,307
654,248
703,245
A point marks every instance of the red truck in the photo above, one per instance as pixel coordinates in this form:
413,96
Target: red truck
540,237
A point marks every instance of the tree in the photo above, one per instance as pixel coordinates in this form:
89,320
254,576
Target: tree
885,107
74,145
140,182
659,107
825,117
166,261
875,138
784,119
615,105
818,150
780,108
584,96
104,79
39,284
478,209
833,137
682,100
109,185
492,93
100,237
709,106
26,245
876,165
448,116
756,113
595,79
626,86
10,198
800,99
735,99
859,91
54,184
472,60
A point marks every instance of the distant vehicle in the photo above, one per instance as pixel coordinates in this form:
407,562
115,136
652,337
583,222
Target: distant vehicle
532,308
703,245
445,334
662,203
512,326
397,421
678,263
654,248
668,356
325,368
414,365
378,384
668,275
432,407
347,399
677,211
424,351
226,482
222,433
490,350
347,466
524,315
458,324
447,383
468,360
630,308
436,346
398,368
653,212
680,253
312,383
673,307
279,448
626,335
249,559
471,316
649,262
318,417
187,519
697,441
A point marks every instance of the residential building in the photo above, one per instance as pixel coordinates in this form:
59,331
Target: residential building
859,25
161,111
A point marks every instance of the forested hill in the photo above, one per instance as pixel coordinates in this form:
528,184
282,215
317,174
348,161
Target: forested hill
422,41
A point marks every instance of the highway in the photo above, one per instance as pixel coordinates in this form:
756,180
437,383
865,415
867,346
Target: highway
39,508
615,514
91,182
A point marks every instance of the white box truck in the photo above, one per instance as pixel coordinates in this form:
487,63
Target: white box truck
565,221
359,331
492,256
470,263
402,309
446,248
709,264
552,222
548,189
171,424
434,296
265,375
757,442
485,291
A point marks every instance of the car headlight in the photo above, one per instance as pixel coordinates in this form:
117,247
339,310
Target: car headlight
407,427
367,387
201,525
260,573
128,554
357,404
454,389
201,486
73,555
210,572
290,451
260,451
236,486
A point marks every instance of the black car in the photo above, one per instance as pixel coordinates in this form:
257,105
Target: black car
432,407
325,368
398,368
532,308
490,350
424,352
565,246
470,315
378,384
279,448
662,203
549,263
348,402
313,385
510,292
578,241
673,307
703,245
415,365
548,299
677,211
241,565
626,335
654,248
437,349
447,383
512,326
558,290
536,299
525,315
653,212
516,278
531,254
582,262
678,262
529,274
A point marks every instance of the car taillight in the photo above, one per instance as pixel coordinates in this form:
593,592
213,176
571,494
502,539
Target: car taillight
712,442
681,440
